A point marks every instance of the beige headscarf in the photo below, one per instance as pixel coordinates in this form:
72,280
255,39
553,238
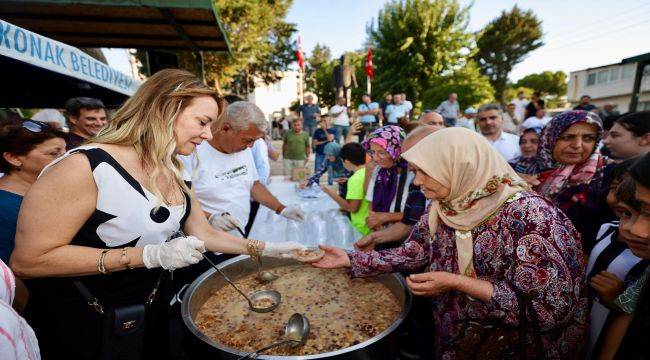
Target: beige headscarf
479,179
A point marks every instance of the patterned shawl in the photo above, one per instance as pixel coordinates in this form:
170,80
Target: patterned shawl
556,177
479,179
390,138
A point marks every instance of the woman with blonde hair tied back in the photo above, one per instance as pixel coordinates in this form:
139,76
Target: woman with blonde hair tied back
101,226
502,261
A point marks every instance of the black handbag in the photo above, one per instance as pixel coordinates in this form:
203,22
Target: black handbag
122,327
493,340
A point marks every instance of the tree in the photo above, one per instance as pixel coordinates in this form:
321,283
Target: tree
417,43
504,43
547,82
317,69
473,89
260,41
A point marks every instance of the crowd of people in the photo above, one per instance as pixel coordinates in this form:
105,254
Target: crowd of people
518,234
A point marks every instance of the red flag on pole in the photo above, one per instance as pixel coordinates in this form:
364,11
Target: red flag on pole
299,56
369,69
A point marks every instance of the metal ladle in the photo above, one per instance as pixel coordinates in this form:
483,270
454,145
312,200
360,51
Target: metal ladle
295,334
262,276
271,295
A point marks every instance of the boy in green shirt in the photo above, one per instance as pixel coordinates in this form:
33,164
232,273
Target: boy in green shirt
295,147
354,160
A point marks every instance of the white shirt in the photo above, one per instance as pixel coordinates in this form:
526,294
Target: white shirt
395,112
285,124
466,123
535,122
509,123
408,105
260,152
222,182
520,107
507,145
342,119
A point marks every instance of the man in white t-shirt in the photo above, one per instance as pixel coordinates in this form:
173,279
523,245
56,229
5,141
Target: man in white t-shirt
341,121
490,123
225,177
538,121
520,105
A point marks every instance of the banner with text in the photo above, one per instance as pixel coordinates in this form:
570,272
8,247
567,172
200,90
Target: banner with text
24,45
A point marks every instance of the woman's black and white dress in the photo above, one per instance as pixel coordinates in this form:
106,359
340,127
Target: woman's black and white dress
611,255
126,214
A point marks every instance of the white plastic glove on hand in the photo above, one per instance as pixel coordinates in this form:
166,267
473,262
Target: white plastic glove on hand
224,221
293,212
281,249
176,253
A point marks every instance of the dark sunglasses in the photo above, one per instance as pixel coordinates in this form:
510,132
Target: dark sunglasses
36,126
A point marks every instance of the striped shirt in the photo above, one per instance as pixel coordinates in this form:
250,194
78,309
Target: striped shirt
611,255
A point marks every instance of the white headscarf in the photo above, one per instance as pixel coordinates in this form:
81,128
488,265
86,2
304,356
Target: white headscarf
479,179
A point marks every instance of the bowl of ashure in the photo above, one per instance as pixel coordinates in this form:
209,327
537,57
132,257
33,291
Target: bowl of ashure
349,318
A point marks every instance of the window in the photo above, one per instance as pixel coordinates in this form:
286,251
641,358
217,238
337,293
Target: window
628,71
591,79
602,76
643,106
614,73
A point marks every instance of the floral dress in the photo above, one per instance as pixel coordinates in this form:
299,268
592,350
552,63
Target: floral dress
527,243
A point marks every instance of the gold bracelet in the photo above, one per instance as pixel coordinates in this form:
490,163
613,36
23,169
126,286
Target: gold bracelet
253,247
125,260
100,263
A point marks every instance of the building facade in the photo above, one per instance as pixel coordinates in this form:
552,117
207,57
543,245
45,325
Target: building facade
276,98
609,84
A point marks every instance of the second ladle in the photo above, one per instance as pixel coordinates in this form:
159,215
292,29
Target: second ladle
261,296
295,334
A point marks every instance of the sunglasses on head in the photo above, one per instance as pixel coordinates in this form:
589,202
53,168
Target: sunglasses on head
36,126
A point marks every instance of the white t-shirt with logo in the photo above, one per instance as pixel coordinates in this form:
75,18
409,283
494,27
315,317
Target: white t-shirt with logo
342,119
222,182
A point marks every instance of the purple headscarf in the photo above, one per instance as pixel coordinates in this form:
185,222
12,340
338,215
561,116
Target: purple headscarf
389,138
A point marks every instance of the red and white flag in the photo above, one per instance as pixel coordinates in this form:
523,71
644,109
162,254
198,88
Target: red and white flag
299,56
370,71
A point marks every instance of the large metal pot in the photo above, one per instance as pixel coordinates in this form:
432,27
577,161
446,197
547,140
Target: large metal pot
382,346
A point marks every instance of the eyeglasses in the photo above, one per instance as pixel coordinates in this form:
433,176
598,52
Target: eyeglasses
379,154
36,126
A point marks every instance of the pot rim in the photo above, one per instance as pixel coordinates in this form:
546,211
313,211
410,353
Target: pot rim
189,322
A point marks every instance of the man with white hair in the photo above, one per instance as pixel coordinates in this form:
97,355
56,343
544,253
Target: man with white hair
224,177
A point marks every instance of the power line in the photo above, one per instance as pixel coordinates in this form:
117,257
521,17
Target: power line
596,36
584,27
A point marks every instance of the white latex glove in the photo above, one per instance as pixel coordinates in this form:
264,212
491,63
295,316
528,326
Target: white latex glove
281,249
176,253
293,212
224,221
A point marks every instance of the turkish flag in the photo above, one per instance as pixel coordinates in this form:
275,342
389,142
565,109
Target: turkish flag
369,69
299,56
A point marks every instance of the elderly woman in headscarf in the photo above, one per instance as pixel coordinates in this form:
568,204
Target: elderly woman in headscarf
388,183
501,260
568,169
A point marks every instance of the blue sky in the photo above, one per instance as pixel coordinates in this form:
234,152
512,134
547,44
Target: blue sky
577,33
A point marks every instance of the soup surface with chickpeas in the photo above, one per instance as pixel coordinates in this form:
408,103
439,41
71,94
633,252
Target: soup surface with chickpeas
342,312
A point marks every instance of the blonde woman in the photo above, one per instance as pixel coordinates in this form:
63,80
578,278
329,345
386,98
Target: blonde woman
91,234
